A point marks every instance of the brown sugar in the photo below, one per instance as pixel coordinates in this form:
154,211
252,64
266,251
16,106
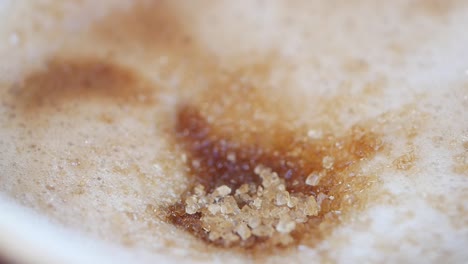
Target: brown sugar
268,210
259,196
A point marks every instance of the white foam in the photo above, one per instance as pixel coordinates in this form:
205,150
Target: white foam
420,58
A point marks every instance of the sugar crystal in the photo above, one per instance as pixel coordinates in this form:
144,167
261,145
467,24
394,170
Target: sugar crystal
314,178
327,162
282,198
285,225
243,231
311,207
222,191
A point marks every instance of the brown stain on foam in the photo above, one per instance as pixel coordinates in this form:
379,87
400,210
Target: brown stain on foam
83,79
151,27
435,8
236,116
460,162
289,153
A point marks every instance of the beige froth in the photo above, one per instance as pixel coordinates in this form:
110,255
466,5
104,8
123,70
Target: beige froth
87,103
